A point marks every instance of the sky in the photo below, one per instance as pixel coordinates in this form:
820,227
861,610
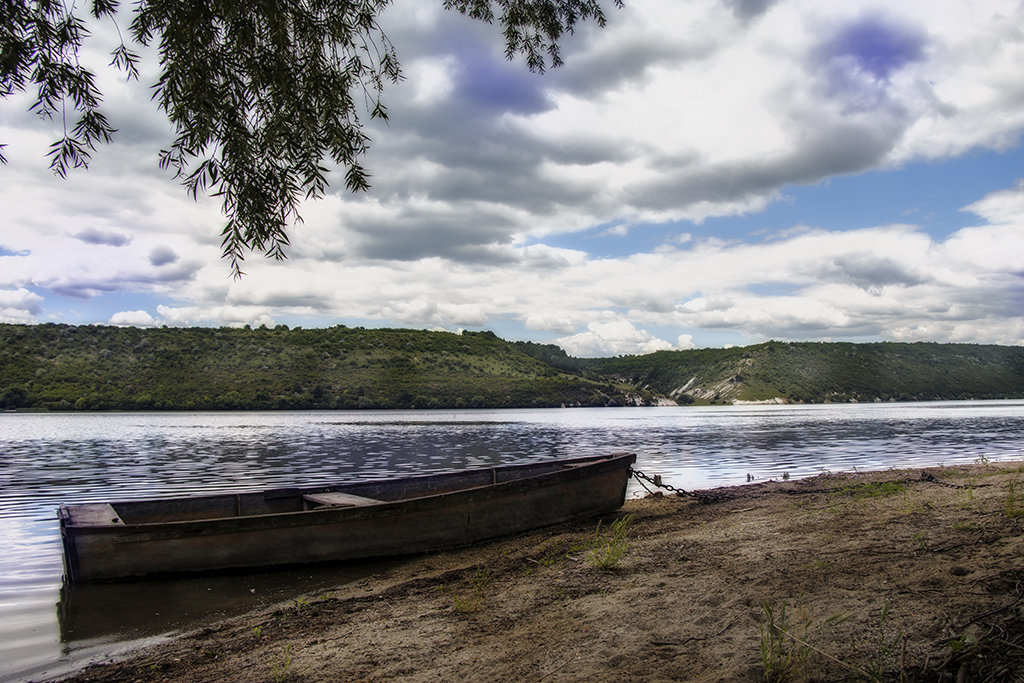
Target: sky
698,174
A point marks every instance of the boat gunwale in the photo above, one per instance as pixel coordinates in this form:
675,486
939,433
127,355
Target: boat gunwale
331,514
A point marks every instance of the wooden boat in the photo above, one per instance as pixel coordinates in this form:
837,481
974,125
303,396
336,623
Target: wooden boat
120,540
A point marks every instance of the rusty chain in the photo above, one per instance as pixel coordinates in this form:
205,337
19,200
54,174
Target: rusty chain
656,481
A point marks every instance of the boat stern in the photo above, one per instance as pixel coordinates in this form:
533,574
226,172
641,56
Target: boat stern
67,541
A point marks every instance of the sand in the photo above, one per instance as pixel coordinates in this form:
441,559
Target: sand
895,575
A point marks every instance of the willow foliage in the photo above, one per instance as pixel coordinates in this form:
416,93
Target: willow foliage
262,95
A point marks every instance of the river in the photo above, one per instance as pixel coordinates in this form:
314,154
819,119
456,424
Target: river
46,459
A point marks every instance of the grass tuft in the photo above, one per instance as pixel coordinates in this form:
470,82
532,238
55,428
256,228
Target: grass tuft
611,546
474,601
279,668
783,656
1013,506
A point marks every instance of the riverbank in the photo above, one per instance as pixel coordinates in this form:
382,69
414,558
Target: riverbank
912,573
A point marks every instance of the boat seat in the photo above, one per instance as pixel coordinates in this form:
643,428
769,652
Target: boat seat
94,514
338,499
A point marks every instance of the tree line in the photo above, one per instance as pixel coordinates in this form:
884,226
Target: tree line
95,367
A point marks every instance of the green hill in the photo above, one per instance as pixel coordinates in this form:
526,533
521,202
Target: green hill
63,367
124,368
826,372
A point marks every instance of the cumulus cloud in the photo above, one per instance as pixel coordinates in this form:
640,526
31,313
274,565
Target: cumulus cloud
228,315
92,279
94,236
162,255
612,338
437,228
747,9
19,305
1000,207
874,46
133,319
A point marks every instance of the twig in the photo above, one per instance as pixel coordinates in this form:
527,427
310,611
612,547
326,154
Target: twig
558,668
994,611
1015,646
713,635
821,652
696,638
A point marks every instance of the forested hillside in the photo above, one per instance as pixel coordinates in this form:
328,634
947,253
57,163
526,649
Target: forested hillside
826,372
125,368
63,367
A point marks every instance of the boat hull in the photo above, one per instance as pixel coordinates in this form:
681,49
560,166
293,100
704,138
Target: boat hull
138,539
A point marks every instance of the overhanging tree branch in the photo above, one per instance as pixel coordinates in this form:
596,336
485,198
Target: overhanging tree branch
260,93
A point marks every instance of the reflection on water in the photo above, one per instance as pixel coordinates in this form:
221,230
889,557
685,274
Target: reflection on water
90,613
48,459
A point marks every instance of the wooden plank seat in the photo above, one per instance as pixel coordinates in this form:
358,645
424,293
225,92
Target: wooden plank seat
95,514
338,499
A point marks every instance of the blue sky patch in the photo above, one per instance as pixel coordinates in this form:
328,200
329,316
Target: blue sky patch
929,195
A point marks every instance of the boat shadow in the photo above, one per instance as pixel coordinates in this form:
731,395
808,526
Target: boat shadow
105,613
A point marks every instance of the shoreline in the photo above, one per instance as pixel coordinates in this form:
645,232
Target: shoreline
903,573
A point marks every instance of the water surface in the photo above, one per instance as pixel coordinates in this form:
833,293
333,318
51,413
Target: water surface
46,459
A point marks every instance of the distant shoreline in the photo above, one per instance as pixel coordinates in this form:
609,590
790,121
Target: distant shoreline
102,368
737,403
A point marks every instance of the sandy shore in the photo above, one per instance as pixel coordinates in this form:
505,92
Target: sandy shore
913,574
